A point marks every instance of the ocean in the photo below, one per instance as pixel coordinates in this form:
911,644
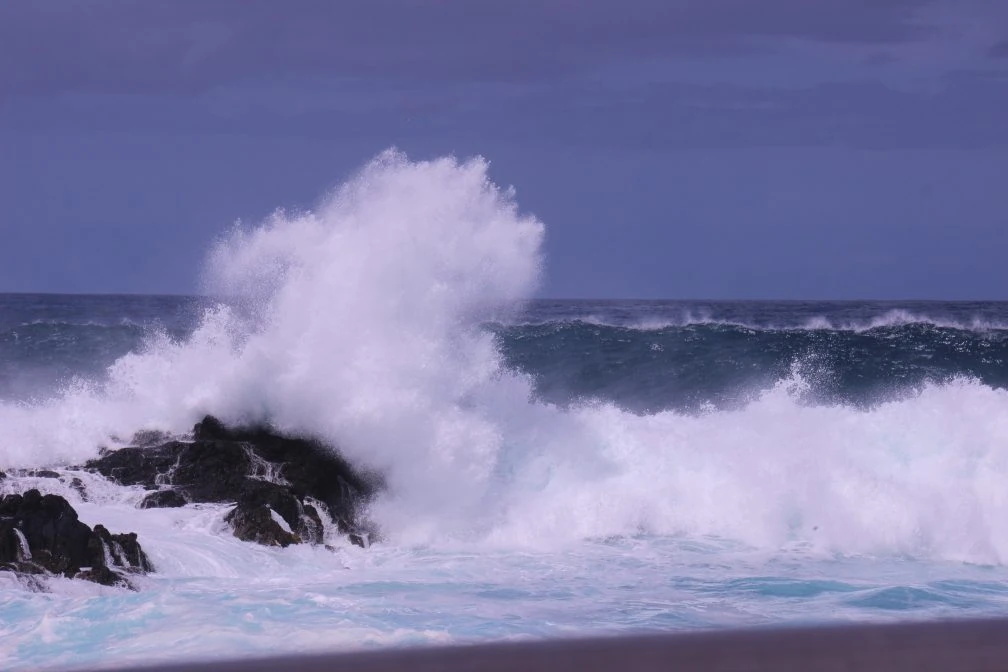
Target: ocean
554,468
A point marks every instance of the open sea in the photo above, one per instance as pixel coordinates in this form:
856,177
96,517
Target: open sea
554,468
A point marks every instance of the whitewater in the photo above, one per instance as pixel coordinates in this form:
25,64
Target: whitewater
553,468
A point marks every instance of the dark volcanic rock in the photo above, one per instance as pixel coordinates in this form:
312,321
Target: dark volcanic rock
303,519
149,437
121,550
78,485
309,527
57,540
212,471
210,428
34,473
256,523
41,533
104,576
257,469
163,499
137,466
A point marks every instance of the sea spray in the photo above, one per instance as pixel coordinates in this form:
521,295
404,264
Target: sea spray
367,312
358,323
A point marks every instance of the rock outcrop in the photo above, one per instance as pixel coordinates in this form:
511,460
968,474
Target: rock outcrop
261,525
163,499
274,481
281,488
42,534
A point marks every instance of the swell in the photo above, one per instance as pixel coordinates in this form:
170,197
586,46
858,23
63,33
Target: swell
42,340
686,367
49,341
981,316
696,366
38,358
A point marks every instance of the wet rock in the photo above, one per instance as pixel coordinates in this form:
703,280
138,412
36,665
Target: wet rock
210,428
135,465
104,576
13,547
32,583
205,471
77,484
261,525
255,468
42,534
34,473
163,499
302,519
121,550
149,437
309,526
212,471
57,540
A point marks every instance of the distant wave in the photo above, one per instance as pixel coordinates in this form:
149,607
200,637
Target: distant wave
891,318
50,327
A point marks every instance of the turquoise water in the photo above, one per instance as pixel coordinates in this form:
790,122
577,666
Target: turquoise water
319,600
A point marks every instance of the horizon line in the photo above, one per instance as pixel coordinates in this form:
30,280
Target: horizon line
174,295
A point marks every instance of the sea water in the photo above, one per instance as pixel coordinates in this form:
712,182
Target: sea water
554,468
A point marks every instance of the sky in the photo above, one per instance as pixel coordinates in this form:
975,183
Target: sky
714,149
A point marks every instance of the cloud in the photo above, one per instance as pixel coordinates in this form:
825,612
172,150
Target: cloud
119,46
962,112
669,73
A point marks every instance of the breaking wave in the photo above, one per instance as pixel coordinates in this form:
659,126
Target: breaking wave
363,322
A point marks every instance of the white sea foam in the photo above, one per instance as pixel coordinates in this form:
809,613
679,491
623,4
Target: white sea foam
359,322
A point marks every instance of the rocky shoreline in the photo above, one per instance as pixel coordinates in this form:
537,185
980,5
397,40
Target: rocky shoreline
280,486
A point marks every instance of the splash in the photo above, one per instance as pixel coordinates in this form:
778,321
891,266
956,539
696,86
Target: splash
357,322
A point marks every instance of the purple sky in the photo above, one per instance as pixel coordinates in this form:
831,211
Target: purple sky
674,148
